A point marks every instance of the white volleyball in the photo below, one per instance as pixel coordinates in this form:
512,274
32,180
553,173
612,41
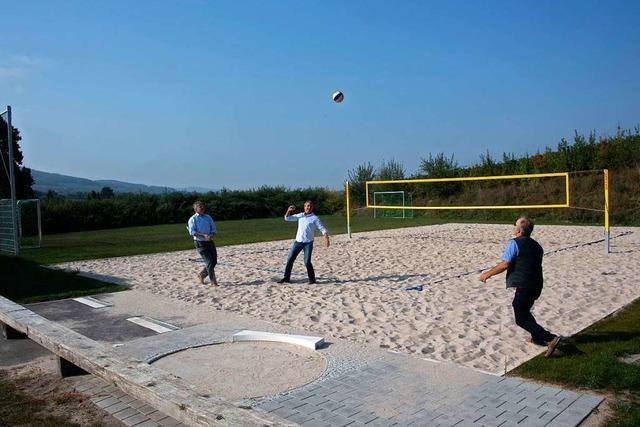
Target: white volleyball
338,97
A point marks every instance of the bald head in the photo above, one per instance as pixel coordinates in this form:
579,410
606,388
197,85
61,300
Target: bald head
525,225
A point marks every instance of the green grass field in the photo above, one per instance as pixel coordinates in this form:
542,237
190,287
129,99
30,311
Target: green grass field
173,237
589,360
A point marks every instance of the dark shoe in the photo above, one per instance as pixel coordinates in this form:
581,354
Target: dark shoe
201,278
551,347
312,282
284,281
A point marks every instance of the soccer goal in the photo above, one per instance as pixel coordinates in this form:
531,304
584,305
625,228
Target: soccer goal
29,223
400,199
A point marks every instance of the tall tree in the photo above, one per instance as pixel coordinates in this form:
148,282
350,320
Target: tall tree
24,180
390,170
357,178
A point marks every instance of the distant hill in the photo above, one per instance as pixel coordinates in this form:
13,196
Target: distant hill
65,184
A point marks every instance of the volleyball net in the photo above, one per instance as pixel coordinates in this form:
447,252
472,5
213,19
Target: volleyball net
580,191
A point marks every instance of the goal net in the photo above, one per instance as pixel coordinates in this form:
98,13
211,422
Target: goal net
398,204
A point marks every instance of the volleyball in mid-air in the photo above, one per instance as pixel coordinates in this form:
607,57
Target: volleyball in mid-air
338,97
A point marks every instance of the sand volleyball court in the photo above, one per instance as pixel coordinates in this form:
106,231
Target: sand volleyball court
361,291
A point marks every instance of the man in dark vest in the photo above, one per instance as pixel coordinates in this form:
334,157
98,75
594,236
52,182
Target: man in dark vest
522,259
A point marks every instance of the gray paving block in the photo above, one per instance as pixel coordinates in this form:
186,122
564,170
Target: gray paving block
314,423
146,409
340,421
169,422
127,399
135,403
514,397
285,412
156,416
147,423
488,421
510,407
105,403
299,418
136,419
447,420
101,397
513,417
347,411
116,408
125,413
508,381
364,417
382,422
270,405
81,388
332,406
549,391
588,400
569,395
492,412
528,387
338,396
315,400
118,394
532,412
571,417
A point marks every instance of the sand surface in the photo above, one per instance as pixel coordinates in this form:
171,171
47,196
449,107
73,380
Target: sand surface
361,296
244,370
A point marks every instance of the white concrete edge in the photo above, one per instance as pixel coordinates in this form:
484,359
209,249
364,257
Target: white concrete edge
302,340
92,302
154,325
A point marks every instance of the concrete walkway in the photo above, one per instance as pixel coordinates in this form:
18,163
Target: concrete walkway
362,385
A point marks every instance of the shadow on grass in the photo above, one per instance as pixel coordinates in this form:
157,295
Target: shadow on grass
25,281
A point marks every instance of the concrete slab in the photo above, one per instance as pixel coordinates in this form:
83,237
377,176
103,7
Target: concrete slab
361,385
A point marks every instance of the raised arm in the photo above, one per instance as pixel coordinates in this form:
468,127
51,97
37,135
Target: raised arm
288,214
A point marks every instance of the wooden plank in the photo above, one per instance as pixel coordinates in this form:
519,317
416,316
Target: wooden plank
161,390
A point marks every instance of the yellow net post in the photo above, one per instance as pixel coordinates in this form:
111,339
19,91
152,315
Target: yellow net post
606,210
347,208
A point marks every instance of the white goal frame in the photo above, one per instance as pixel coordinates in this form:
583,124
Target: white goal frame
404,202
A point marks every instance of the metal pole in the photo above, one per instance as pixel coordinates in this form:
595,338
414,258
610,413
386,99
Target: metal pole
12,184
606,210
348,209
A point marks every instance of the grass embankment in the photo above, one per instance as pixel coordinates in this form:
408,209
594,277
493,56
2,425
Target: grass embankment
591,360
25,281
173,237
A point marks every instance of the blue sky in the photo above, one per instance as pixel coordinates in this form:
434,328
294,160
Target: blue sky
237,94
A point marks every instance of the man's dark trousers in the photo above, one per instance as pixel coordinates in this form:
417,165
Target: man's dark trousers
207,251
522,304
293,254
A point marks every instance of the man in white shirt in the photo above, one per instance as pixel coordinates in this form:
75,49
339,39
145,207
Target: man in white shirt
308,222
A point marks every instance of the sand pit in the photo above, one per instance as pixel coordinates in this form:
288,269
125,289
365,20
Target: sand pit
361,293
243,370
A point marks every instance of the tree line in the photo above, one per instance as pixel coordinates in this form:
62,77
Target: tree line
102,210
106,209
620,152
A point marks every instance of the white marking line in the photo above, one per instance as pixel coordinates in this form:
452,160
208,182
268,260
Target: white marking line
91,302
153,324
